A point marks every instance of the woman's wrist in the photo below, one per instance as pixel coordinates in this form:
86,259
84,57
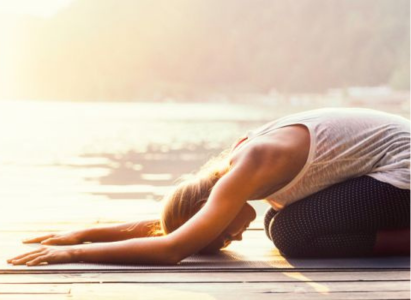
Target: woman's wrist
86,235
77,253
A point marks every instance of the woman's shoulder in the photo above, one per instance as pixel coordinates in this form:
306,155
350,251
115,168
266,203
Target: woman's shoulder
289,145
289,138
271,162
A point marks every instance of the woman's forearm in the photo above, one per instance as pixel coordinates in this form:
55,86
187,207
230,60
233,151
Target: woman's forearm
145,251
112,233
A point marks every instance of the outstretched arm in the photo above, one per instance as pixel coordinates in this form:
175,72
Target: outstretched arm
147,251
120,232
250,174
110,233
225,202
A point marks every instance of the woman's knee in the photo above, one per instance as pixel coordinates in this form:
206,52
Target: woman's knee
288,234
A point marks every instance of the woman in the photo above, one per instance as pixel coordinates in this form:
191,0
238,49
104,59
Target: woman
337,181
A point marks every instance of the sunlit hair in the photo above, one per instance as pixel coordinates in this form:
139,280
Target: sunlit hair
192,193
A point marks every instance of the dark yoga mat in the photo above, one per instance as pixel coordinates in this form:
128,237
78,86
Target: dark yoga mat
255,253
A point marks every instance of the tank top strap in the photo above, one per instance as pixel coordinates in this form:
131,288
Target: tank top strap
239,142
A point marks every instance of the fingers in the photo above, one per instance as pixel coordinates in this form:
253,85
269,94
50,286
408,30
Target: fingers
38,239
56,241
51,241
49,255
26,258
38,260
25,254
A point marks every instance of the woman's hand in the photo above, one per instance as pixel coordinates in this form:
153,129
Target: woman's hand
65,238
45,254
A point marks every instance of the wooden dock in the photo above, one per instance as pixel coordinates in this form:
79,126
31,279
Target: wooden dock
231,285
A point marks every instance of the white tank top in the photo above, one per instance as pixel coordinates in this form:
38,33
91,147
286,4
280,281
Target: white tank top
345,143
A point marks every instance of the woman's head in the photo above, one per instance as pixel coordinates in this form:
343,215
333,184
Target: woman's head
191,195
185,201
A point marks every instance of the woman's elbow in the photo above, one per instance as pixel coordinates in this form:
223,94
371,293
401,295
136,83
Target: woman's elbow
172,254
171,260
161,258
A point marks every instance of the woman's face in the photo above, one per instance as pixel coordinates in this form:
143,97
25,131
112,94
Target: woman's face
234,231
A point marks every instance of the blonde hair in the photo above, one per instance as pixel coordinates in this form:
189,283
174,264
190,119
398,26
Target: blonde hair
192,193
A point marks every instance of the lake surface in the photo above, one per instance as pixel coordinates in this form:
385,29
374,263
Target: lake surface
68,162
75,163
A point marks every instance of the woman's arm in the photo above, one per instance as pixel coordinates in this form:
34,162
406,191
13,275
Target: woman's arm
120,232
110,233
225,202
252,172
147,251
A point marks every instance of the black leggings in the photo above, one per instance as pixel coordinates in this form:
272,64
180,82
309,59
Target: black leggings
340,221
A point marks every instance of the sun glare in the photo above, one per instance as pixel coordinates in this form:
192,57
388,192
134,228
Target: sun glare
38,8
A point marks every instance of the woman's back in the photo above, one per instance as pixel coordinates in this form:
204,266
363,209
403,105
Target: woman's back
345,143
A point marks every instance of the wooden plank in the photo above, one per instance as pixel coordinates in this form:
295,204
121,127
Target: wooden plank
154,277
37,297
256,287
331,296
289,286
285,296
234,296
244,291
34,289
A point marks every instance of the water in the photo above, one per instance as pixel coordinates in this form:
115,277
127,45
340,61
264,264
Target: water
67,162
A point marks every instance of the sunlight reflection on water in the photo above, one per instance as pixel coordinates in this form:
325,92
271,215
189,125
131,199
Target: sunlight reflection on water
63,161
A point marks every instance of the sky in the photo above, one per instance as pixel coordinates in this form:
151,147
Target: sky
37,8
184,49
